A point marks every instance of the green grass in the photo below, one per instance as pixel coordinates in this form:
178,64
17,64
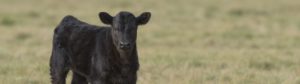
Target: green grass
185,42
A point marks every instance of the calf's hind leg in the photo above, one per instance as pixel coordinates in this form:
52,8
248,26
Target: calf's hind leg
58,66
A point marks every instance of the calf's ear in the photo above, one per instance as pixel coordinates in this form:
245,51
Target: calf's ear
105,18
143,18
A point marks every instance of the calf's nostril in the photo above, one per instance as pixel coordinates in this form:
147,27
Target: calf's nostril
124,45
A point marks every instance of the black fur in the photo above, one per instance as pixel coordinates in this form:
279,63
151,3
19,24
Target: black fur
96,55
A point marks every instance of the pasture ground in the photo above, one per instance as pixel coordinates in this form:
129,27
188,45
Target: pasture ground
185,42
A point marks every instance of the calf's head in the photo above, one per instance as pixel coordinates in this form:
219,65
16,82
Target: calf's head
124,27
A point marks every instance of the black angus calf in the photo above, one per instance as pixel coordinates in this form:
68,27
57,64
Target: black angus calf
97,55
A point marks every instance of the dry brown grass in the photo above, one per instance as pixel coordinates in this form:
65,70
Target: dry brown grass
186,41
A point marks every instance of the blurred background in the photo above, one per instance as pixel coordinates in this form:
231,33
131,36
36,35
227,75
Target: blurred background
185,42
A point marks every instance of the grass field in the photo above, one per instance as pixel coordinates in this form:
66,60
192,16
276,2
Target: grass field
185,42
